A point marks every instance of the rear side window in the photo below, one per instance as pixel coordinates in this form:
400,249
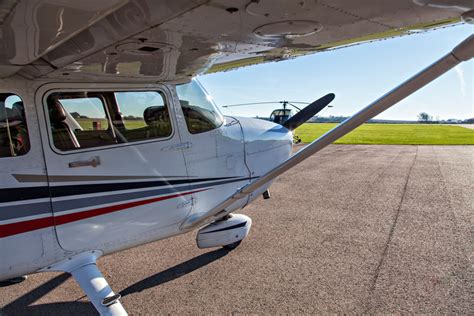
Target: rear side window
14,139
78,121
81,120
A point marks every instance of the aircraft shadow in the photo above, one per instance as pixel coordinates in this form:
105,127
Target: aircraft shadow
175,272
21,306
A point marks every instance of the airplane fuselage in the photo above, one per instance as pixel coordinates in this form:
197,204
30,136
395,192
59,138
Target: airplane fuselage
105,176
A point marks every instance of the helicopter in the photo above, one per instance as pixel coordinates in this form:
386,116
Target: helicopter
279,115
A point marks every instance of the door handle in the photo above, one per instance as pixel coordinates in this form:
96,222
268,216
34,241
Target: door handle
93,162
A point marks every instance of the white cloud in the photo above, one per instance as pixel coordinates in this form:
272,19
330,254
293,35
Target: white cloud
462,81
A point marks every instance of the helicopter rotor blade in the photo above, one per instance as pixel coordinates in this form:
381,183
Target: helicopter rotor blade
258,103
308,112
252,103
294,106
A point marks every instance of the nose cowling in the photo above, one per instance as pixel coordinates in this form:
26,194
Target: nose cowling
266,144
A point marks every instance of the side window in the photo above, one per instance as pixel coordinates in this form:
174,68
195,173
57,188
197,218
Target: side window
200,113
84,119
79,121
14,139
144,115
88,113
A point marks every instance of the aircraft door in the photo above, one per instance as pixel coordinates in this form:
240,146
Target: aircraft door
115,165
215,151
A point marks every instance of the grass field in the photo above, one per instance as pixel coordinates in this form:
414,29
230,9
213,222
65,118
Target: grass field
377,134
86,123
393,134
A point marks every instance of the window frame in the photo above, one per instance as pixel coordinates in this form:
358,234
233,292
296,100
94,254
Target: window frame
28,131
161,89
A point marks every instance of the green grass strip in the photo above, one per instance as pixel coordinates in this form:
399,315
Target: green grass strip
393,134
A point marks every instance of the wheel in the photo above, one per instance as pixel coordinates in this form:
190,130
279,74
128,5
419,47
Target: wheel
232,246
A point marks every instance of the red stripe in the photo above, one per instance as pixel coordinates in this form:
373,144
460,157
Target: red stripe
68,218
25,226
34,224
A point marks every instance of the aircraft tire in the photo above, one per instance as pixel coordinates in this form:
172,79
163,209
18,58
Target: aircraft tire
13,281
232,246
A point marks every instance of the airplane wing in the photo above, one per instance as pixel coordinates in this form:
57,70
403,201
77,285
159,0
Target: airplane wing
174,40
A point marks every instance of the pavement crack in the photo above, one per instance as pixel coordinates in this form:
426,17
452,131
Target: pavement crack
448,198
384,169
390,236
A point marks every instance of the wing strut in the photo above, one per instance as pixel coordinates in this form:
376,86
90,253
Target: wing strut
463,52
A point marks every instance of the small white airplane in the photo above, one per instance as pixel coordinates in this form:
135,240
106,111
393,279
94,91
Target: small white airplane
107,142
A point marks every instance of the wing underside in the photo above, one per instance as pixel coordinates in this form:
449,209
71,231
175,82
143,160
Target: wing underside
173,40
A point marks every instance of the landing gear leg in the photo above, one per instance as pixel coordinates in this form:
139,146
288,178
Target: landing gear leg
84,269
98,290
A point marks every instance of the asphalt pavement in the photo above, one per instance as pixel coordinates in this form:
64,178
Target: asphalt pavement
355,229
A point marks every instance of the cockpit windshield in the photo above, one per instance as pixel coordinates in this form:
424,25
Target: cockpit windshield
200,112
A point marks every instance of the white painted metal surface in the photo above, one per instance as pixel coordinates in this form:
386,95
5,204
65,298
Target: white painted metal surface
15,203
145,40
216,154
36,27
122,167
225,232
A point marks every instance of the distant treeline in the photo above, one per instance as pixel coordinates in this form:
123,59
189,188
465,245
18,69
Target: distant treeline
132,118
126,118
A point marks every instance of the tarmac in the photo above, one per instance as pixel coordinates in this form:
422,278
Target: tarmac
470,126
354,229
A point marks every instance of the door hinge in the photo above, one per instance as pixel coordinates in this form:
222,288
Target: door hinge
191,202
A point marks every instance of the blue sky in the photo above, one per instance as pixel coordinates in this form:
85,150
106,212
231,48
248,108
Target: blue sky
357,75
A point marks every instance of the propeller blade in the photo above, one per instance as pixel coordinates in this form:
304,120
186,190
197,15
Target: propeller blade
308,112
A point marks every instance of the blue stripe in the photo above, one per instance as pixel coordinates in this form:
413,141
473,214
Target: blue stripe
23,193
99,200
67,190
39,208
23,210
